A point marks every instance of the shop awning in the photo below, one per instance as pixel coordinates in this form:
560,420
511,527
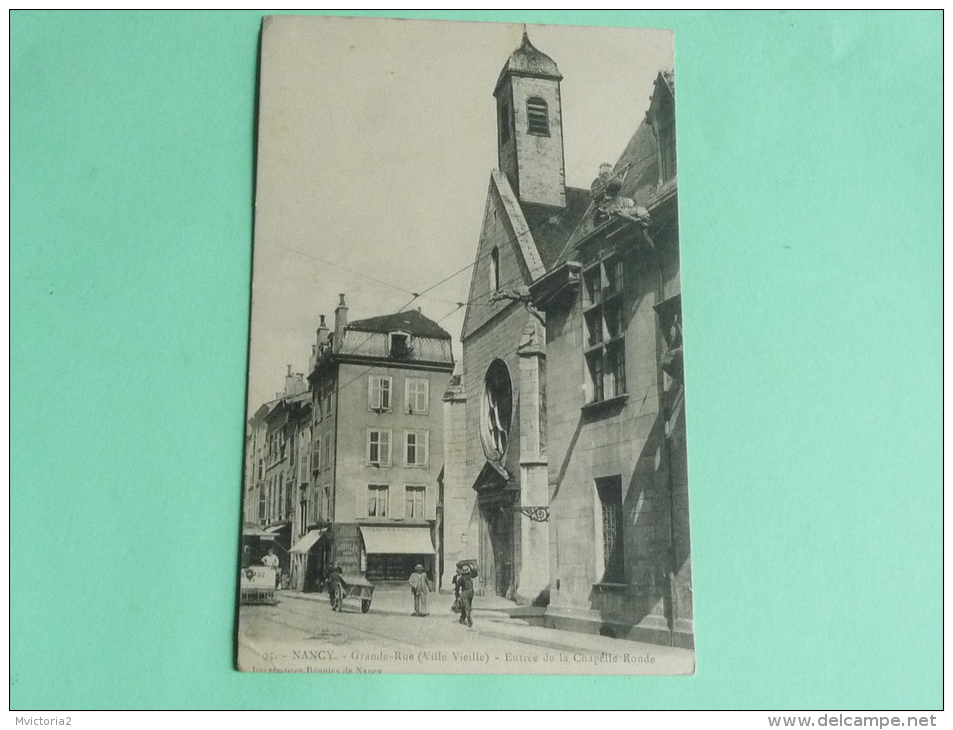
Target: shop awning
307,542
255,531
397,540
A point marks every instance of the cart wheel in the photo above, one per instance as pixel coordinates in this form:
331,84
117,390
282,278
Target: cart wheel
365,606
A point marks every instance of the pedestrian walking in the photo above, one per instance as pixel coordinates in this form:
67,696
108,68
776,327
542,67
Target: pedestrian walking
455,607
419,587
336,588
465,589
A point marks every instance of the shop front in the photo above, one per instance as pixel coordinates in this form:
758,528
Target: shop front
391,553
310,562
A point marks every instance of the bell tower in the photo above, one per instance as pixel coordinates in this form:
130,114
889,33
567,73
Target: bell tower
529,126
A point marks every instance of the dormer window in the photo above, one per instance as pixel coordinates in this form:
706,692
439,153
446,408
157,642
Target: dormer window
537,117
399,346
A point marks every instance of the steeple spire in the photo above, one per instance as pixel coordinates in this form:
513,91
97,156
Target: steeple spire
529,118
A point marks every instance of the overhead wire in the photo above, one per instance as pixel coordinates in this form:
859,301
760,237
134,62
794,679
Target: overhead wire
426,291
459,305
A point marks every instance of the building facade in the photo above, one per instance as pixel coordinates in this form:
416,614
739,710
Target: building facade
376,445
273,469
565,467
615,405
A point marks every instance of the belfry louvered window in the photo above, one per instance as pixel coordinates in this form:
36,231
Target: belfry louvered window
537,117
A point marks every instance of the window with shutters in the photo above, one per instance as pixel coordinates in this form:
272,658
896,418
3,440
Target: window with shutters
537,117
327,453
316,455
377,500
416,503
416,448
378,447
379,392
417,396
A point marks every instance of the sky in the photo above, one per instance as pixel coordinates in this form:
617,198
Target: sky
375,144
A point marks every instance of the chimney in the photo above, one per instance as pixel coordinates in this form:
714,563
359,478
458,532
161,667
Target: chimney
321,343
340,322
322,334
294,383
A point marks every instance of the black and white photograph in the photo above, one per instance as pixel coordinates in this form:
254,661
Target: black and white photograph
466,437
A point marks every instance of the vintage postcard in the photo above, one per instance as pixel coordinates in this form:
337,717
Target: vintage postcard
466,434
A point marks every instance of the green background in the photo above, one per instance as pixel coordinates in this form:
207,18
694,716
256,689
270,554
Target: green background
810,190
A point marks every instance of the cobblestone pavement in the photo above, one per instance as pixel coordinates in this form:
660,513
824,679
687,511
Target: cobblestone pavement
302,634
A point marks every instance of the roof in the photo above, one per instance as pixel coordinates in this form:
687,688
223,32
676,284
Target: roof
527,59
411,321
639,163
551,227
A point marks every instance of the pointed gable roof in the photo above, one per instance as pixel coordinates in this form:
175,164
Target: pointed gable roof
527,60
539,236
411,321
521,230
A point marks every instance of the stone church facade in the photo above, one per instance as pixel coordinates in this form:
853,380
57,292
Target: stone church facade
565,461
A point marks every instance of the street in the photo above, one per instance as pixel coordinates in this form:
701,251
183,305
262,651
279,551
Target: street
302,634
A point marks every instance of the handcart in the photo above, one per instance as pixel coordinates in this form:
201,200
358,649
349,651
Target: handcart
355,587
258,585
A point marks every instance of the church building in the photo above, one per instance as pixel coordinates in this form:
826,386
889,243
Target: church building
496,463
565,460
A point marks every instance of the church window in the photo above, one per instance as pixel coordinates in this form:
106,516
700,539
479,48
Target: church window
537,117
495,269
497,412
